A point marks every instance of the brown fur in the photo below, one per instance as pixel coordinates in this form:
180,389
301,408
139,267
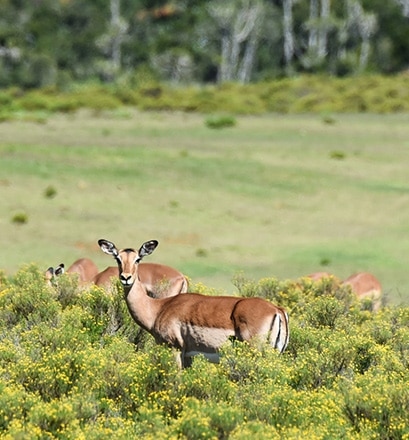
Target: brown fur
85,268
159,280
319,275
193,322
366,285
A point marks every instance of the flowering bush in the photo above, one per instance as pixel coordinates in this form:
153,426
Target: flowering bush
74,365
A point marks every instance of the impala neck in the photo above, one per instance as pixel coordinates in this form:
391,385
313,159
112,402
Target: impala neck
142,307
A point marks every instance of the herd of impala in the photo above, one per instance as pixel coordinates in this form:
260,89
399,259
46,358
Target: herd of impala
158,300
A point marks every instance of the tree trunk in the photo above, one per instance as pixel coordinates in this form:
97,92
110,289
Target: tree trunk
224,69
367,27
323,29
313,34
247,63
238,22
117,37
405,7
288,32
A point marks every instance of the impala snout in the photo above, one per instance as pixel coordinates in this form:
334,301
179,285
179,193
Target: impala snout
126,279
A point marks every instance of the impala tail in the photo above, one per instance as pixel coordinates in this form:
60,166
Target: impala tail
280,331
185,286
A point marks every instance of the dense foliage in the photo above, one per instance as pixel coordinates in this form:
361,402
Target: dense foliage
74,365
324,95
49,42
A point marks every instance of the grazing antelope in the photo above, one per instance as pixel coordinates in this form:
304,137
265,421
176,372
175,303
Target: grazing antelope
365,285
51,273
195,323
160,281
318,275
85,268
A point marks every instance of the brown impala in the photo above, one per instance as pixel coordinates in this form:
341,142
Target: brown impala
159,280
84,267
52,272
366,285
363,284
195,323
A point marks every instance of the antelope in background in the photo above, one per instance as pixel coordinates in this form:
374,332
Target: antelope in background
84,267
319,275
363,284
51,273
159,280
195,323
366,285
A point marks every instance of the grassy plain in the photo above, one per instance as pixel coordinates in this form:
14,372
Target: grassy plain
275,196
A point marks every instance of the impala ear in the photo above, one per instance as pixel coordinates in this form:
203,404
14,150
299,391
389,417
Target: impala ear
108,247
59,270
50,271
147,248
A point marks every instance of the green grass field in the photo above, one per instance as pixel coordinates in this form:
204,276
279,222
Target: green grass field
274,196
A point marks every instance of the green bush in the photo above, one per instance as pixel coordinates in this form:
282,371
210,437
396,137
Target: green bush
50,192
20,218
220,121
320,94
73,364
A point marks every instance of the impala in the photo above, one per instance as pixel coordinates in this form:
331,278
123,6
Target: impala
195,323
160,281
319,275
85,268
366,285
51,273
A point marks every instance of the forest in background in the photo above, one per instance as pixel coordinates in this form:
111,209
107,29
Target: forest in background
56,42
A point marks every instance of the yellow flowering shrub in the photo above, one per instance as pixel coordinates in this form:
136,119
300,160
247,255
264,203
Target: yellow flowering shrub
73,365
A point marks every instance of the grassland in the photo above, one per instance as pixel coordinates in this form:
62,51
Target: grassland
274,196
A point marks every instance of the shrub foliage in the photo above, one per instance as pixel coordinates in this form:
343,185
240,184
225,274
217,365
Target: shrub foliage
74,365
320,94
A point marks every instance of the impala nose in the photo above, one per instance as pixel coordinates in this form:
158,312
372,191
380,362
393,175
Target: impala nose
126,279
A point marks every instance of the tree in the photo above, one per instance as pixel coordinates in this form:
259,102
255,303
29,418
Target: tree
238,23
405,6
288,34
111,41
319,25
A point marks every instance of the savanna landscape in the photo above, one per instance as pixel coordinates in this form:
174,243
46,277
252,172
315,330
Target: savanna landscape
272,196
252,152
246,209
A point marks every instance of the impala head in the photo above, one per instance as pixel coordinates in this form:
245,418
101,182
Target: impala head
52,272
128,259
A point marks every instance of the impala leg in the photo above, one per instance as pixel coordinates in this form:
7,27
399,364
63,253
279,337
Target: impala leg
179,358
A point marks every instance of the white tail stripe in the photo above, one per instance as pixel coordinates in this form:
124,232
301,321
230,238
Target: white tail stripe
284,333
275,332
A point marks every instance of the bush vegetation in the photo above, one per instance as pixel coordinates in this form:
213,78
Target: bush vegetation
375,94
73,365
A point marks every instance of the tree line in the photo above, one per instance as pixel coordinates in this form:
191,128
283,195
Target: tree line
55,42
